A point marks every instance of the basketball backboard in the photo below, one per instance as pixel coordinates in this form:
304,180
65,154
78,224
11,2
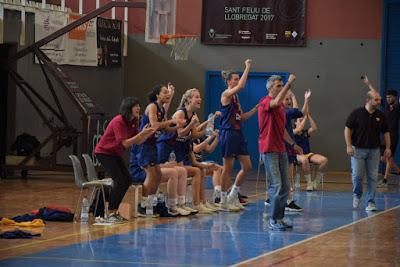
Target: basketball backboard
160,19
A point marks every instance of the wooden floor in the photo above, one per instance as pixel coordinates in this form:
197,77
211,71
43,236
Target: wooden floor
372,241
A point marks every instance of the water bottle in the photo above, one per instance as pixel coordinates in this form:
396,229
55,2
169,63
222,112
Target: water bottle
161,198
210,125
85,210
172,157
149,205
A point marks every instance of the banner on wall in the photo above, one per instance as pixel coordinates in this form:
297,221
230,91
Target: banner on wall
78,47
109,42
249,22
82,43
47,22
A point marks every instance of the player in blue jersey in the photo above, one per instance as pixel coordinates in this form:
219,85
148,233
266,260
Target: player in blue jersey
147,157
233,143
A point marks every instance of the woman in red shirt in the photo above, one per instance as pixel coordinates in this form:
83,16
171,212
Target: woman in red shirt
121,133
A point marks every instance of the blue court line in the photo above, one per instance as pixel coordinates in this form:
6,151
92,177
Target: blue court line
211,240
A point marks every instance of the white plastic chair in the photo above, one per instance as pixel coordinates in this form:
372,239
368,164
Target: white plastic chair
82,182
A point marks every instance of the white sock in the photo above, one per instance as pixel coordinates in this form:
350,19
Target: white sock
234,191
224,196
217,188
152,200
308,178
181,200
172,202
143,203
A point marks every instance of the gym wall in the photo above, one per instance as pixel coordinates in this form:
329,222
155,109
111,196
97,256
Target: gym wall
343,42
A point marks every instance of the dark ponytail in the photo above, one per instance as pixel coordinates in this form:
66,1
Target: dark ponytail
152,96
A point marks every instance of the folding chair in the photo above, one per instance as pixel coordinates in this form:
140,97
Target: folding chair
82,182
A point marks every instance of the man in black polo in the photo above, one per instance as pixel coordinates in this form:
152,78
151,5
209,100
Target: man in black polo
362,134
392,115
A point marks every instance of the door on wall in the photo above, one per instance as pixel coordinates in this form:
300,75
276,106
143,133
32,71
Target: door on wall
390,75
249,97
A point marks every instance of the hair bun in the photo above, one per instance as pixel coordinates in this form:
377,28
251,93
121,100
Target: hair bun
225,74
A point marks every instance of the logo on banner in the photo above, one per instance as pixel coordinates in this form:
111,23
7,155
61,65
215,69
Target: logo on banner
211,33
79,33
271,36
290,34
245,34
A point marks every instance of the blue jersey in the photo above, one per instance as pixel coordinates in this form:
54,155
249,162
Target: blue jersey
146,120
292,114
303,141
172,138
138,173
230,115
169,142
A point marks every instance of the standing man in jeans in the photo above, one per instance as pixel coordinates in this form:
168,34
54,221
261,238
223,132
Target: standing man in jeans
272,137
392,115
362,133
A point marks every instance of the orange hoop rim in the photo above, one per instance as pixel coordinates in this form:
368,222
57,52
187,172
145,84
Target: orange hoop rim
164,38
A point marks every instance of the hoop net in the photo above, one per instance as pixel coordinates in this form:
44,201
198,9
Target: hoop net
181,44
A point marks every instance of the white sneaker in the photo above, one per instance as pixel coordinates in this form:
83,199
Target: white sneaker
310,186
202,209
206,207
382,184
371,207
182,211
235,202
99,219
217,206
229,207
211,207
187,208
356,202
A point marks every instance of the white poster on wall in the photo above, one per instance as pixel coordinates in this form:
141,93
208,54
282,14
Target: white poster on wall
78,47
46,23
82,43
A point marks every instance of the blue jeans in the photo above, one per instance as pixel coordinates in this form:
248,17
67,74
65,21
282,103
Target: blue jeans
364,161
276,166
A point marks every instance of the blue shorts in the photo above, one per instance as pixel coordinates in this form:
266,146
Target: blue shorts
147,155
138,174
187,162
164,149
292,157
232,143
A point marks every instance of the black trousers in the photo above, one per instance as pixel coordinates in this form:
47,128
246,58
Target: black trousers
115,167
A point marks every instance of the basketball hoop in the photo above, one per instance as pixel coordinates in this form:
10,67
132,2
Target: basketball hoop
181,44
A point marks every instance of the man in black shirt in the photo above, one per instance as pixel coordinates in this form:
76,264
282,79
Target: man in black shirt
363,129
392,114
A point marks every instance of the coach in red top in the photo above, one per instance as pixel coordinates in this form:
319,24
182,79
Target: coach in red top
121,133
272,137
